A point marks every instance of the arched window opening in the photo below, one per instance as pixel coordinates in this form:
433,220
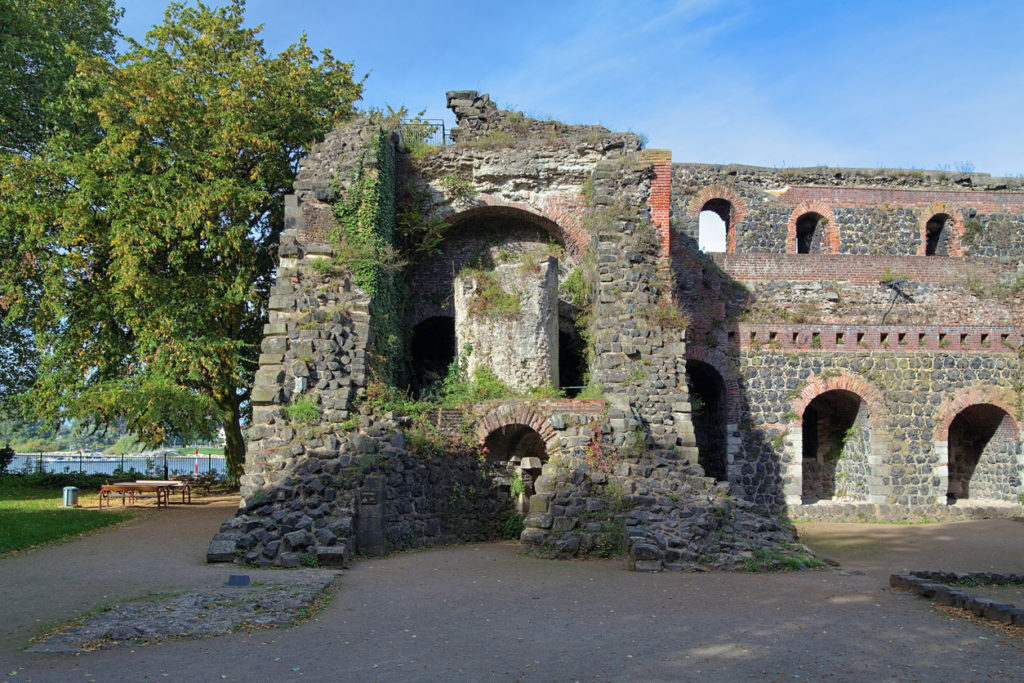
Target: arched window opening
709,416
433,350
835,447
937,235
714,225
572,360
982,455
520,452
809,233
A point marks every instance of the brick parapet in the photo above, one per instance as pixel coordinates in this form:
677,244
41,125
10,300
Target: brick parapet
856,268
871,197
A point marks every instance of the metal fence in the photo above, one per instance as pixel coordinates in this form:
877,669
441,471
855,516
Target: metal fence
422,132
154,465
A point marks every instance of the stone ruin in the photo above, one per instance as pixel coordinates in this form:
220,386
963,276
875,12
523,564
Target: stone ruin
852,352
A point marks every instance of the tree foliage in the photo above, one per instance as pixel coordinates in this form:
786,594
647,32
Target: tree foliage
144,255
40,41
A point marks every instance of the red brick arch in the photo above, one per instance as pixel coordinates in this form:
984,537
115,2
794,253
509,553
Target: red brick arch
727,193
829,240
518,413
1001,397
955,239
559,217
855,384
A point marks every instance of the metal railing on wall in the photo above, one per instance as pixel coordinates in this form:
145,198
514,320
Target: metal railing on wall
423,132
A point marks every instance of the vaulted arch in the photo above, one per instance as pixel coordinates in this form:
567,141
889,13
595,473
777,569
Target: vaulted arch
812,225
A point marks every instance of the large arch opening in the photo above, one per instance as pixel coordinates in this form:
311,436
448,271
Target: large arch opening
713,226
432,351
809,233
983,449
937,234
520,452
709,415
836,446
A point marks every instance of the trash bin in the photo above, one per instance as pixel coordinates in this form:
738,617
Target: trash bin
70,496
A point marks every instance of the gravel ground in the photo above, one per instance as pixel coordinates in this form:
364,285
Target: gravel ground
489,612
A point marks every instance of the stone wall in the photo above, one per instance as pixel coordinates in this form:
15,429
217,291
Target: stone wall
841,396
883,212
520,345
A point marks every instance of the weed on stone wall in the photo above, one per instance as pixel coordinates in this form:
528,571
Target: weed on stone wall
302,409
491,300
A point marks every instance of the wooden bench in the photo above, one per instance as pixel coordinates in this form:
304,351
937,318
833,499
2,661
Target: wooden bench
196,481
137,489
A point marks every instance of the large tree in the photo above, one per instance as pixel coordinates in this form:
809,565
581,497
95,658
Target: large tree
40,41
145,256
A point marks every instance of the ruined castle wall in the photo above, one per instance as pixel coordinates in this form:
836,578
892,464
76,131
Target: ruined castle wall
867,212
905,393
494,240
842,289
519,346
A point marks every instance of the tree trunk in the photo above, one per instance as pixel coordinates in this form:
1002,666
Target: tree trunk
234,442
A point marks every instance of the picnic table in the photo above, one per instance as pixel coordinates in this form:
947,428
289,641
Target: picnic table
144,487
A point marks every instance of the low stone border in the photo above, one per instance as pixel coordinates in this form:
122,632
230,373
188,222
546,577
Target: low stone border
934,586
195,614
838,511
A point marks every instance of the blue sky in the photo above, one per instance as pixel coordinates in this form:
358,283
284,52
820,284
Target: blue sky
895,83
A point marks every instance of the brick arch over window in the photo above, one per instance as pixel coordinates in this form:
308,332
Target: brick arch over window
1001,397
855,384
956,223
878,437
720,362
559,218
727,193
519,413
830,237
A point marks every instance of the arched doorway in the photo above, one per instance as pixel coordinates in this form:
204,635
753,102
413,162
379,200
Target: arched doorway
809,233
835,447
432,350
520,451
983,447
937,234
709,415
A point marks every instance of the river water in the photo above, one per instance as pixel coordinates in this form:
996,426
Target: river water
148,464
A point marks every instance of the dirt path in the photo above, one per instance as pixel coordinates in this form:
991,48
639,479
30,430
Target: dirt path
488,612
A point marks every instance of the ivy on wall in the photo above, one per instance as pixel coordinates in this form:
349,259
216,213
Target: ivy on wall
365,243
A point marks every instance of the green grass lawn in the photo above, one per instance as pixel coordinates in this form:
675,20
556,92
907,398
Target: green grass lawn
34,516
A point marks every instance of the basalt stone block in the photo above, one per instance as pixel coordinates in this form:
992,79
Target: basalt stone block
533,536
221,550
536,520
291,560
297,539
333,556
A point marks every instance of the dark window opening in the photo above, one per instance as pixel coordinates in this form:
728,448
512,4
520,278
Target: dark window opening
808,234
937,235
982,460
828,430
433,350
709,415
572,362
